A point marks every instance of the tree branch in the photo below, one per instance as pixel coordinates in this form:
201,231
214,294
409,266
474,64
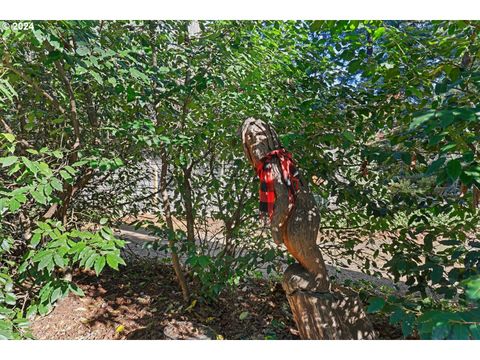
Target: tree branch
73,105
35,86
9,130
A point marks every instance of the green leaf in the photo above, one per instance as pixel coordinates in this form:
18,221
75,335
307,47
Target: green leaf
10,299
472,288
137,74
407,324
39,197
83,50
317,25
460,332
54,56
35,239
203,260
60,261
56,184
349,136
164,139
396,316
99,264
65,175
112,81
454,73
76,290
435,166
113,261
446,118
437,273
244,315
475,331
378,33
32,167
44,309
448,148
9,160
6,334
10,137
97,77
45,261
90,260
31,311
14,205
58,154
428,242
56,294
70,169
440,331
77,248
420,119
454,168
376,304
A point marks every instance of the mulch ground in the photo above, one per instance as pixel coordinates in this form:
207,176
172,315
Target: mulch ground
138,301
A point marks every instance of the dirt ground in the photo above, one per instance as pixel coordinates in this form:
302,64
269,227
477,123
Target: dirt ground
143,298
138,301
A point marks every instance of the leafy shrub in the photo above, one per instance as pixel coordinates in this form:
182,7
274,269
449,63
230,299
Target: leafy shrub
36,255
214,271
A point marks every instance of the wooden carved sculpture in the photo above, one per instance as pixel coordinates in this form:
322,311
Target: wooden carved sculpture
295,226
319,311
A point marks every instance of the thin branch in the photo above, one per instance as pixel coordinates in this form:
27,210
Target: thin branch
35,86
73,105
9,130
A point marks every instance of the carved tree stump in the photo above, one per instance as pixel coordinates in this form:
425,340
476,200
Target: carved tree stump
332,315
320,313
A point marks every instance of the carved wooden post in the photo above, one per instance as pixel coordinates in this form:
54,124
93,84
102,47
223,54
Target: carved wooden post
320,312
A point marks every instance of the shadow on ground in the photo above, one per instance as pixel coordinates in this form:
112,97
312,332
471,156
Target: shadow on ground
140,300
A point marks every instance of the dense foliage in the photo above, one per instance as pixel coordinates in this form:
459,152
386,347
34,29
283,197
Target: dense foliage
382,116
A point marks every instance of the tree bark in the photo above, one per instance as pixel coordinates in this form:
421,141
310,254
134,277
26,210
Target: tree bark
320,311
476,197
188,201
336,314
168,219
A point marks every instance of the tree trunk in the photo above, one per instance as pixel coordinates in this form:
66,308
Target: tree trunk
168,219
336,314
320,310
155,185
476,197
188,202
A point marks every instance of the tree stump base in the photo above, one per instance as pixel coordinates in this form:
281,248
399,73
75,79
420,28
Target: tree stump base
337,314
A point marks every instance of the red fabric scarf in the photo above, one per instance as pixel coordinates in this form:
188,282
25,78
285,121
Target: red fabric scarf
289,177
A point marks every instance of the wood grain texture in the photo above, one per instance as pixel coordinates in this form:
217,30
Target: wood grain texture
320,311
296,226
336,314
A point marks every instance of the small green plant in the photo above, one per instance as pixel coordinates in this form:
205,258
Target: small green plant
36,255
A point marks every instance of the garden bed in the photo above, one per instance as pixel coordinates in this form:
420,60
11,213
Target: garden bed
138,301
